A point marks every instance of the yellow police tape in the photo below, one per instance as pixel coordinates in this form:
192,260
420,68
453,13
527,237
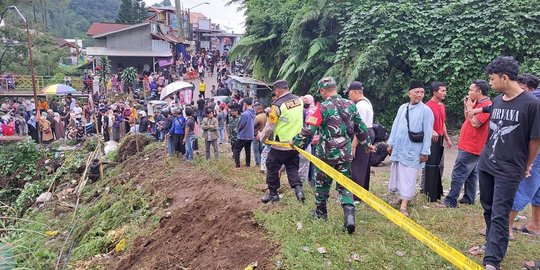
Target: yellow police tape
413,228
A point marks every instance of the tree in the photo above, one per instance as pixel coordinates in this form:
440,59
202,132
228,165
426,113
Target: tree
132,12
141,12
164,3
129,76
10,47
105,72
386,44
126,12
14,50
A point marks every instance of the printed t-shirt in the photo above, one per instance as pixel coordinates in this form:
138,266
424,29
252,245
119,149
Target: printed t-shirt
512,125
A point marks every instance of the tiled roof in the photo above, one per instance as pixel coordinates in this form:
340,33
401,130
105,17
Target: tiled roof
98,51
99,28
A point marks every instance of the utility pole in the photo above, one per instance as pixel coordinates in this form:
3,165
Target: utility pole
180,19
30,62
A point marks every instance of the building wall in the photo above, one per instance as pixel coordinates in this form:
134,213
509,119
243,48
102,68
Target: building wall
135,39
161,46
102,42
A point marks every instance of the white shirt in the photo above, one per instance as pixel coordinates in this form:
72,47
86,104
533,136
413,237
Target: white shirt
29,105
366,111
78,112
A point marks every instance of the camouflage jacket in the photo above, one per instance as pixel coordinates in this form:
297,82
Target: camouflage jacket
335,145
232,127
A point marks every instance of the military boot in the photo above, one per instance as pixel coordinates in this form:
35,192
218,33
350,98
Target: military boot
348,213
272,196
321,211
299,192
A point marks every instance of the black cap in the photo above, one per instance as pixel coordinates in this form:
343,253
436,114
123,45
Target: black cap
416,84
355,85
281,84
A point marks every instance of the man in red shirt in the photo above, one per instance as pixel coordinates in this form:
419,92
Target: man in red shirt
472,139
432,175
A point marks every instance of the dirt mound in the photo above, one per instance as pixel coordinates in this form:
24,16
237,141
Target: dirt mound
211,225
128,146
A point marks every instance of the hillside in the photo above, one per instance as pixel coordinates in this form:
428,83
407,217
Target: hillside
71,18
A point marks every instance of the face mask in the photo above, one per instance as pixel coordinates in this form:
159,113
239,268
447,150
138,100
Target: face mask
306,105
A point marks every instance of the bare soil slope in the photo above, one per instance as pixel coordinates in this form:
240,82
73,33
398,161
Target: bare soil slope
210,226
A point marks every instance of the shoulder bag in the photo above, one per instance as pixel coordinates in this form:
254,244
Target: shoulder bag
416,137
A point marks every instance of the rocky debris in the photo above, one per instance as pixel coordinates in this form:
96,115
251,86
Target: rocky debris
44,197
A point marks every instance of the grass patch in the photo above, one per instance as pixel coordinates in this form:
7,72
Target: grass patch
378,243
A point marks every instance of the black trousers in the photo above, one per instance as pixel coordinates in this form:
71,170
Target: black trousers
178,144
432,183
360,168
497,197
274,161
238,146
106,135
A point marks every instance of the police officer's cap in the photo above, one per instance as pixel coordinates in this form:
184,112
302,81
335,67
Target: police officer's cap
281,84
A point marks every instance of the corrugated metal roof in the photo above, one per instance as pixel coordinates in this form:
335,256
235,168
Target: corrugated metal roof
99,28
123,29
169,8
248,80
98,51
195,16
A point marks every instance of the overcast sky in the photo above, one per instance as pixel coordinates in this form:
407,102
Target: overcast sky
227,16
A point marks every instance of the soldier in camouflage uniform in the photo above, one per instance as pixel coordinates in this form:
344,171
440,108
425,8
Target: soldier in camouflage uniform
340,122
232,127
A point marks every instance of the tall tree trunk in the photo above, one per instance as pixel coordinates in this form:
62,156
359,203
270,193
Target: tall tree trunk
45,12
34,10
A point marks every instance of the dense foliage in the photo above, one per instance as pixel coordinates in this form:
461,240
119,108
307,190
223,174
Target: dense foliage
386,44
18,166
131,12
14,51
68,18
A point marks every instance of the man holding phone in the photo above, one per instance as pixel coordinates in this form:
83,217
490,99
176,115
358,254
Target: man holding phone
473,137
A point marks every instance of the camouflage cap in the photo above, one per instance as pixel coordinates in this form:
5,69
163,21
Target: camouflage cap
326,82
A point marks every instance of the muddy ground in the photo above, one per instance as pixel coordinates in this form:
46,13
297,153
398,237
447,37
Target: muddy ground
207,223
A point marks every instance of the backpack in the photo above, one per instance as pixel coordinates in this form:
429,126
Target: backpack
381,134
380,154
9,130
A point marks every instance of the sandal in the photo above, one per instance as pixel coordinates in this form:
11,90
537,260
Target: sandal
535,265
404,212
444,205
477,250
395,202
524,230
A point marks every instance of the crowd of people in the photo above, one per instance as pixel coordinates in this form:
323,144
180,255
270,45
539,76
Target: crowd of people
45,121
497,147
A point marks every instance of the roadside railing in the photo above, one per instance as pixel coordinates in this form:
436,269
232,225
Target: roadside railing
24,82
